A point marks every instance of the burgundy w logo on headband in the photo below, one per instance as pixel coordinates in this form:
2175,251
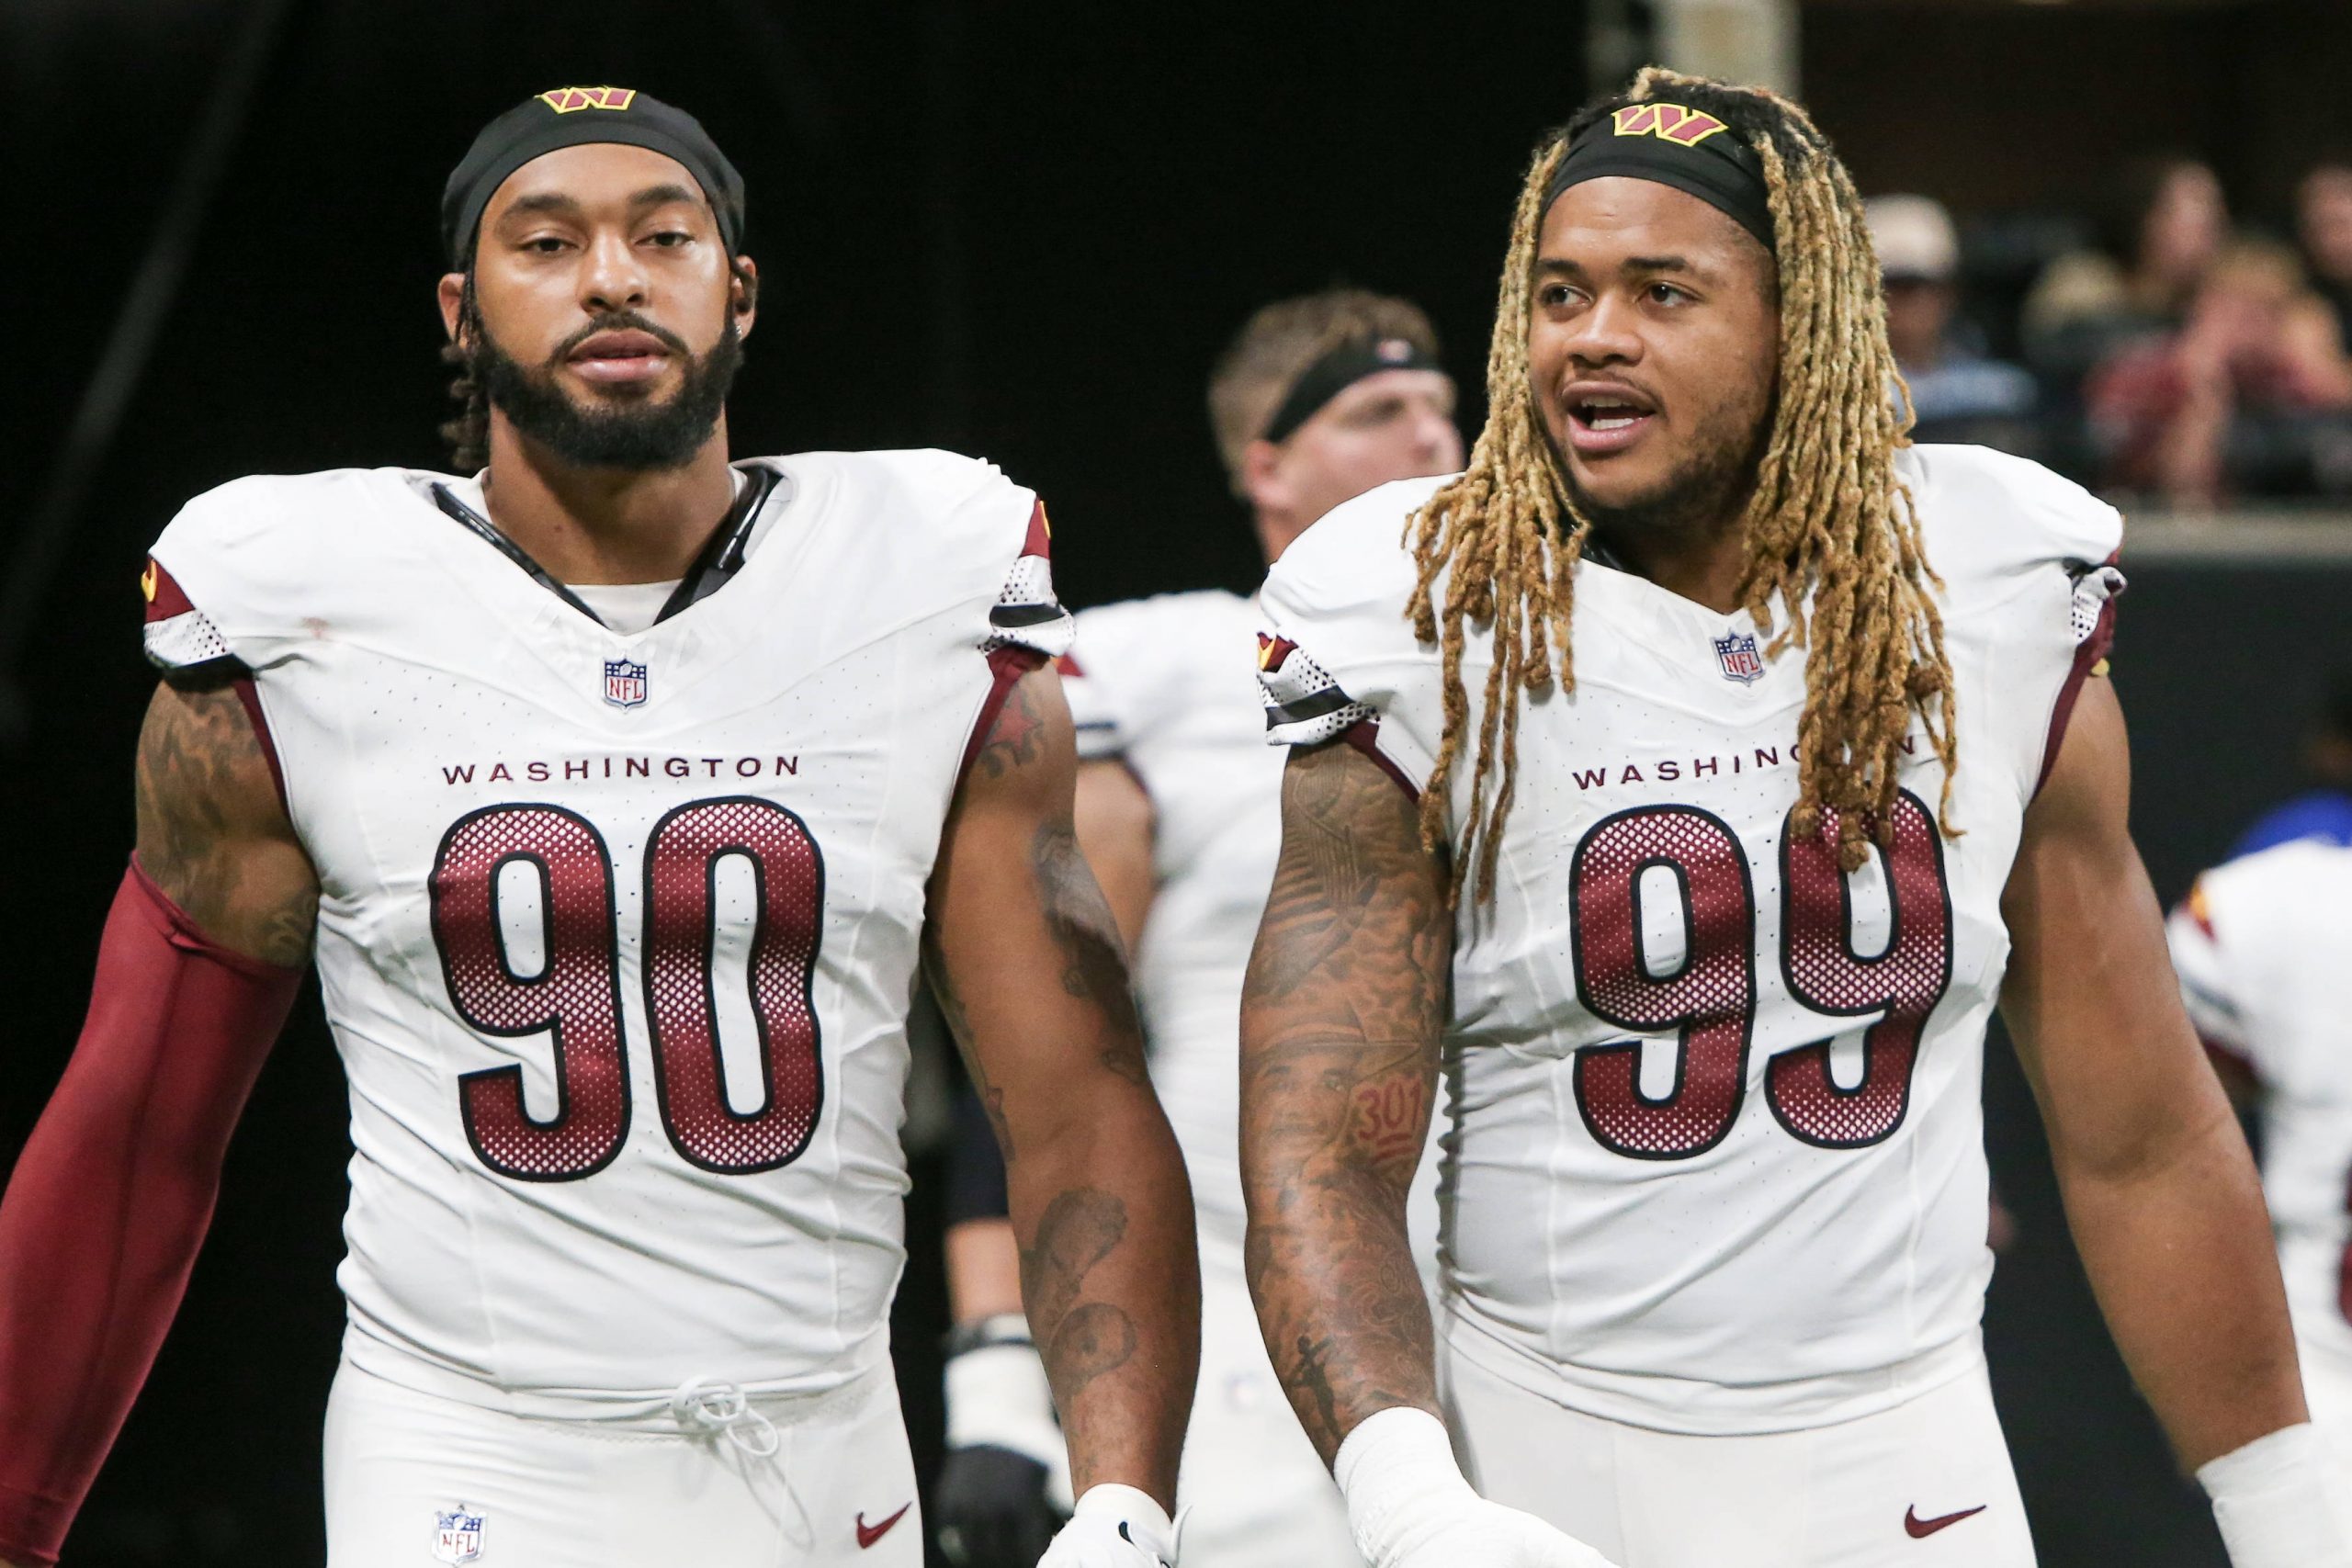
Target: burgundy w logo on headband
564,100
1668,123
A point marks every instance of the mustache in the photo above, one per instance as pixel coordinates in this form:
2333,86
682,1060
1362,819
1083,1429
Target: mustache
616,322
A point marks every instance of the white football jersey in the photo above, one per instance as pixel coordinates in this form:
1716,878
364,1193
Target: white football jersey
2264,948
1716,1163
618,933
1166,686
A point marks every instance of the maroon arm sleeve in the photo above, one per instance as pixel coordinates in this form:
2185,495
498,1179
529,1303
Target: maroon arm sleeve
111,1198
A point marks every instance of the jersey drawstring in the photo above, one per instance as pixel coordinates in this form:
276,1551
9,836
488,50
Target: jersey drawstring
712,1409
707,1407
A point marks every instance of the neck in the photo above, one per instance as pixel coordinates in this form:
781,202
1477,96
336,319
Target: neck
1703,565
1277,531
605,525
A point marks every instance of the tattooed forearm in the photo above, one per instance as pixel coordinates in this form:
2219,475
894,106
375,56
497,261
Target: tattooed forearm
1027,962
212,833
1080,1340
1094,962
1341,1018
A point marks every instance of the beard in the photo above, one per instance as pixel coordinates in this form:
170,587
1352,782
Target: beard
1706,491
630,434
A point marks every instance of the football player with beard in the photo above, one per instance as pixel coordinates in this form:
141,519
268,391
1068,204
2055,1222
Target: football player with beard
618,792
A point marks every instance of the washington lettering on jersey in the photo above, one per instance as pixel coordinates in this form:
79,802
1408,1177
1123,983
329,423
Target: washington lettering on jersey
585,770
617,932
1716,1164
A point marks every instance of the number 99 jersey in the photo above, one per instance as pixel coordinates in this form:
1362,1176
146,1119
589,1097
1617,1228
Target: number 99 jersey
1716,1163
617,932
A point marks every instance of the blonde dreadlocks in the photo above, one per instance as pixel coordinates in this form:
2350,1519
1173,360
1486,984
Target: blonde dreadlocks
1832,536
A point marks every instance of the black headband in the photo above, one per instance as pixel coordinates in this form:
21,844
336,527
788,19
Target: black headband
1336,372
569,117
1692,151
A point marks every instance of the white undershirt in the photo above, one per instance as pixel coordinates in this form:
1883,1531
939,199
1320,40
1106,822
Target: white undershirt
627,607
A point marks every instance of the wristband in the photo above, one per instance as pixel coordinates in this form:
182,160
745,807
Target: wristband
1141,1521
1394,1469
2273,1505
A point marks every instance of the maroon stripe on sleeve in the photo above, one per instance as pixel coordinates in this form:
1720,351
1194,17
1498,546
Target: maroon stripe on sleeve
2093,649
251,698
1006,665
1365,736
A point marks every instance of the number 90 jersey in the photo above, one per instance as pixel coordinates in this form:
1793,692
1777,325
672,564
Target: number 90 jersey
1716,1161
617,933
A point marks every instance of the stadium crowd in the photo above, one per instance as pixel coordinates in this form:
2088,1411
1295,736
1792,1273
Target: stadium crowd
2164,354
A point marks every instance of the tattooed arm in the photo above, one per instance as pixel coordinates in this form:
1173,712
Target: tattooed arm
1028,966
212,833
1340,1017
1340,1021
109,1201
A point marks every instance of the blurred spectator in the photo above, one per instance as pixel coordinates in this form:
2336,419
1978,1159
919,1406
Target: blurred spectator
2246,397
1957,394
2163,224
2324,220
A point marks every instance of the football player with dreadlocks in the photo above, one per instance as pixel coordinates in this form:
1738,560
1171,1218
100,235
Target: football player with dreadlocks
1688,780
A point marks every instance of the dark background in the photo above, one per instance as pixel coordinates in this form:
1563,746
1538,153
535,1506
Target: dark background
1020,231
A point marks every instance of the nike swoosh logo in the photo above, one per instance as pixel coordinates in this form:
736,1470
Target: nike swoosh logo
869,1534
1919,1528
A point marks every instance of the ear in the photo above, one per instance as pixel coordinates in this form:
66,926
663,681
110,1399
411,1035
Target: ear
452,292
743,295
1264,482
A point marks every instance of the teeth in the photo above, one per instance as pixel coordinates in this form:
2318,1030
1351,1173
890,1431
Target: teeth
1612,422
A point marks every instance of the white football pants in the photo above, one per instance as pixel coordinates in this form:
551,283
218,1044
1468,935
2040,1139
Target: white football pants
416,1479
1259,1495
1926,1484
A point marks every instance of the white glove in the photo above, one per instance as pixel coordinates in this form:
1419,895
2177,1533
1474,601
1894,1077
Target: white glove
1115,1527
2275,1503
1408,1505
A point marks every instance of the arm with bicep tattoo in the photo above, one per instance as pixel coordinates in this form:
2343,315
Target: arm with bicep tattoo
1340,1017
1026,962
109,1205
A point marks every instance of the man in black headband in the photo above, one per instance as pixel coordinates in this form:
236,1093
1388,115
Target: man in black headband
1750,757
621,795
1316,401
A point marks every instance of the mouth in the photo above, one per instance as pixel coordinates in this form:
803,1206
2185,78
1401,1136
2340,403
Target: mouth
619,359
1606,418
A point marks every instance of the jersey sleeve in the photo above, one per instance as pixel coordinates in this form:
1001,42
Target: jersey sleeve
219,578
1127,671
1337,657
2030,562
2208,989
181,641
1026,615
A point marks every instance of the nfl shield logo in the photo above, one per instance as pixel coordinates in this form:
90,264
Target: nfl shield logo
1737,655
457,1535
624,682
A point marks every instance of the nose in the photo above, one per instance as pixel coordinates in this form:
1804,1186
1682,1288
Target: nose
610,276
1606,333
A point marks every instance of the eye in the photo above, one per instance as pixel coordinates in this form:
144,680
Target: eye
1553,295
670,239
1665,294
544,244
